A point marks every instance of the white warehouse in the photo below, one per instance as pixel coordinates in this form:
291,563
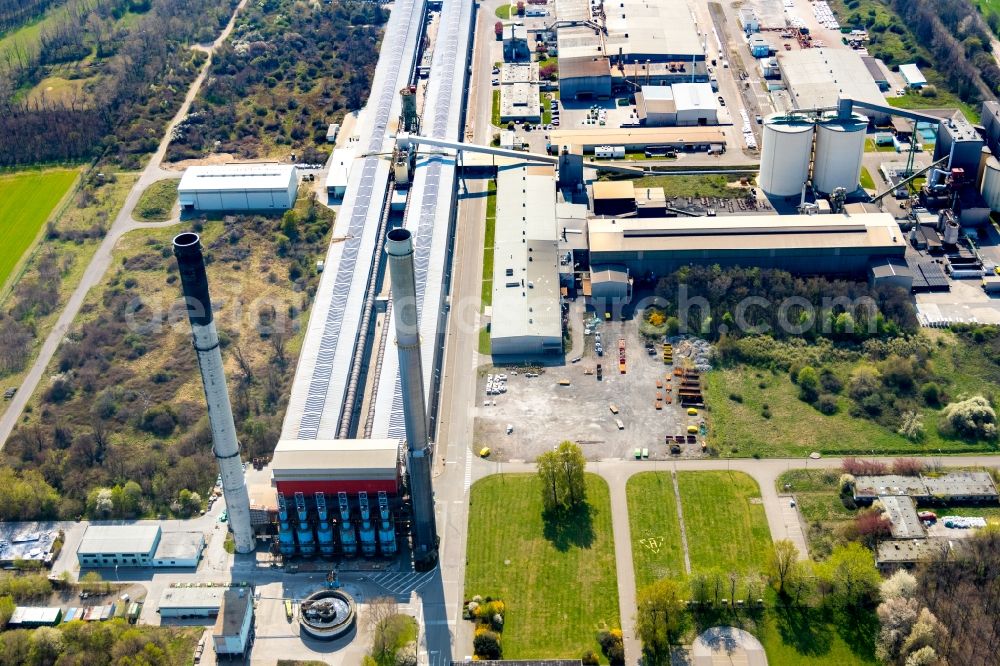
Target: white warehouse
339,173
236,187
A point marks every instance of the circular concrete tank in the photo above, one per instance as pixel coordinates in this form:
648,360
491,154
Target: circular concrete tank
327,614
840,148
991,183
784,155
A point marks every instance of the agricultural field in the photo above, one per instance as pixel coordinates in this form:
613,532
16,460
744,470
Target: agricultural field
548,574
724,521
657,551
27,200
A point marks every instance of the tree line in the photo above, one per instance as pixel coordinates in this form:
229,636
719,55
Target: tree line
111,643
138,79
15,13
110,441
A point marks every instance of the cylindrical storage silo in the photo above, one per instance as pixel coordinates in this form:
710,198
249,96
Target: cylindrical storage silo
784,155
991,184
840,148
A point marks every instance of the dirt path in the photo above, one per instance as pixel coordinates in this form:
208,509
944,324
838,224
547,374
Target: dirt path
101,260
680,519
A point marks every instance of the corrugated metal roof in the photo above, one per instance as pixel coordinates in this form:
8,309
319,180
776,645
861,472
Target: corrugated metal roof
237,177
614,189
297,459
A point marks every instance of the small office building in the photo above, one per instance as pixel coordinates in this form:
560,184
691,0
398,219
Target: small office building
234,627
138,546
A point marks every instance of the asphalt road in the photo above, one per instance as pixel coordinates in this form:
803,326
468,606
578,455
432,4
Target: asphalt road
98,266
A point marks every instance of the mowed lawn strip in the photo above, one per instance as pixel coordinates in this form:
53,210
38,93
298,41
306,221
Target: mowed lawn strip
657,551
559,585
27,199
724,520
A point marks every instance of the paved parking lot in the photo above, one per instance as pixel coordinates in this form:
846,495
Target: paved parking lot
543,413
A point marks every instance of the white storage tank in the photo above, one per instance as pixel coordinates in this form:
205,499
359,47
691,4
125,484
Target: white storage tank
784,156
991,184
840,148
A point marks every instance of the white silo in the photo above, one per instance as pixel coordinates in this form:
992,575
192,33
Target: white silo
840,148
991,184
784,155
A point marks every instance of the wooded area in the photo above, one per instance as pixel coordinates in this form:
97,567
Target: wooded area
289,69
15,13
120,430
136,73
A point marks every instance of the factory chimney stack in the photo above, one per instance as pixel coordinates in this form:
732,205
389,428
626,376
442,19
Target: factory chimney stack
187,250
399,247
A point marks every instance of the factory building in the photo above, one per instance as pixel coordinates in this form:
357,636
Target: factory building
340,171
233,629
526,286
587,77
519,93
652,31
749,22
877,71
238,187
759,47
990,118
337,497
515,43
803,244
681,104
610,283
613,197
960,141
639,139
990,188
185,602
629,77
138,546
817,78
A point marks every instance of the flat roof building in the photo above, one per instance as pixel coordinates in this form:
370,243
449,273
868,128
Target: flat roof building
819,77
26,541
584,77
870,488
907,553
191,601
912,75
340,170
515,43
335,465
877,71
652,30
526,287
903,519
638,139
519,92
681,104
138,546
613,197
961,487
959,140
234,627
805,244
34,616
238,187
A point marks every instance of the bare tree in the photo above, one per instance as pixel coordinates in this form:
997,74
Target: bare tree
386,625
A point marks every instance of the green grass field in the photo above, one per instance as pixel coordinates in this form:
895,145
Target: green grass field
808,637
157,201
657,551
724,520
795,429
943,100
693,186
557,580
503,12
867,181
495,117
27,198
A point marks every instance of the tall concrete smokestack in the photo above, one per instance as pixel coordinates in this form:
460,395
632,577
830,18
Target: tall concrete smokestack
187,249
399,247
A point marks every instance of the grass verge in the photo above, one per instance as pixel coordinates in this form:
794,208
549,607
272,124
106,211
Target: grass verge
503,12
867,181
157,201
693,186
495,118
557,579
488,241
657,551
724,520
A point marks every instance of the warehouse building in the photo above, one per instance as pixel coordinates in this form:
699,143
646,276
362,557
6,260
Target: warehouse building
681,104
817,78
609,283
519,93
912,76
238,187
877,71
748,20
613,197
638,139
804,244
340,171
186,602
233,629
652,31
637,75
29,617
526,287
587,77
138,546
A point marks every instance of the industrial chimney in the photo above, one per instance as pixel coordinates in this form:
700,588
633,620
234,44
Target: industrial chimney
187,250
399,247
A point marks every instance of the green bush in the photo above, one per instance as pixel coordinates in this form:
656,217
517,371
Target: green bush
827,404
487,645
